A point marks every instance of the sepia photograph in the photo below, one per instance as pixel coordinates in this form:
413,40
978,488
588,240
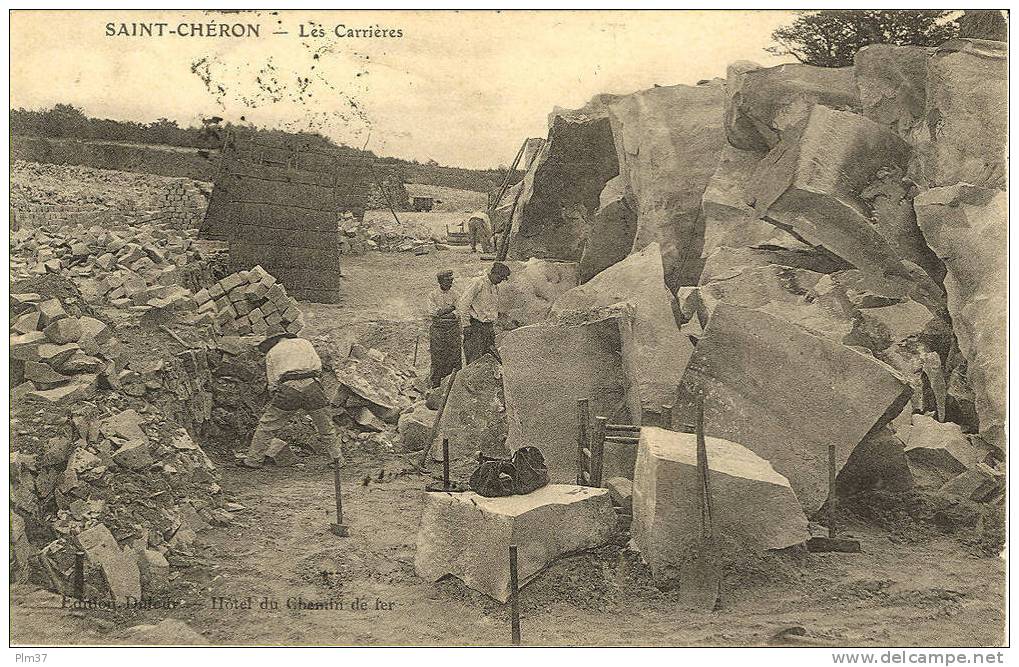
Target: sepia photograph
509,327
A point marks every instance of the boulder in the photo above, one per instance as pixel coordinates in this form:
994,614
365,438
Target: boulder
468,536
668,140
125,425
981,484
612,231
786,394
892,81
81,388
475,415
967,112
50,310
784,292
154,570
764,103
753,507
29,322
42,375
25,347
655,352
134,454
811,185
939,451
727,217
279,453
546,369
561,188
415,427
121,577
63,331
621,491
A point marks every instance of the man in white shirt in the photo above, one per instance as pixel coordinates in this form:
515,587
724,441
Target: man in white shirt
444,340
480,229
293,370
479,309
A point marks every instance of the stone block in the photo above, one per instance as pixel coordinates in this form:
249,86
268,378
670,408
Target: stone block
658,352
415,428
81,388
786,394
279,453
468,536
546,369
942,446
475,415
26,323
981,483
154,571
753,507
26,346
134,454
613,229
50,310
43,375
621,491
63,331
119,567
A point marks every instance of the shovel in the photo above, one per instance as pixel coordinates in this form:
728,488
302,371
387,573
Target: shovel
700,573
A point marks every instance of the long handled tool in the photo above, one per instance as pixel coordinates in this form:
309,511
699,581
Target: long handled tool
514,597
831,542
438,418
700,574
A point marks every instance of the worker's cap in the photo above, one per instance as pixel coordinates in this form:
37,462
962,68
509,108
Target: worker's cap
268,342
444,274
501,269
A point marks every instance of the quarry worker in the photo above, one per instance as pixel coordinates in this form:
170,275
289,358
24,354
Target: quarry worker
479,309
444,338
480,229
293,370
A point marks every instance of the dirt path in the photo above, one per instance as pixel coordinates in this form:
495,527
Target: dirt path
932,592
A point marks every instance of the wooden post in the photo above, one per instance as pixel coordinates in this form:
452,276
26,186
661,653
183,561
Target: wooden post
445,464
79,575
514,597
583,419
417,340
831,491
598,450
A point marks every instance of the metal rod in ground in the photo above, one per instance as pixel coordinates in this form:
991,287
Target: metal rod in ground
445,464
417,340
339,528
583,445
514,597
831,491
598,450
79,575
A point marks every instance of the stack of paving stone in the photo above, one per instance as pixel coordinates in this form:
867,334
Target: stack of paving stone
183,205
251,302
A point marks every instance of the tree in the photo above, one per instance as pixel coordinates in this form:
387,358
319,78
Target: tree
831,38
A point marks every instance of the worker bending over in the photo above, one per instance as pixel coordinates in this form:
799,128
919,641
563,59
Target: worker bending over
479,309
444,338
480,229
294,373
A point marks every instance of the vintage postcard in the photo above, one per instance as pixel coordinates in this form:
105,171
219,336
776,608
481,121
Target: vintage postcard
492,328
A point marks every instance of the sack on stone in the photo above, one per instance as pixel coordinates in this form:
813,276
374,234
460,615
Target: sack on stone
531,473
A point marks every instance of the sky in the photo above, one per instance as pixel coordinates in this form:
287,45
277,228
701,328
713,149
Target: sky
462,88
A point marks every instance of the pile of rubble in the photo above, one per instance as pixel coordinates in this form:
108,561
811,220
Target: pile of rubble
379,231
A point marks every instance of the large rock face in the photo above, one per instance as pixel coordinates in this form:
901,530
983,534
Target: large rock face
668,140
967,114
753,507
659,350
812,185
786,394
546,369
764,103
612,231
968,228
468,535
561,188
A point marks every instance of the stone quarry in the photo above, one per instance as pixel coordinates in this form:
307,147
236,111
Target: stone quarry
802,262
